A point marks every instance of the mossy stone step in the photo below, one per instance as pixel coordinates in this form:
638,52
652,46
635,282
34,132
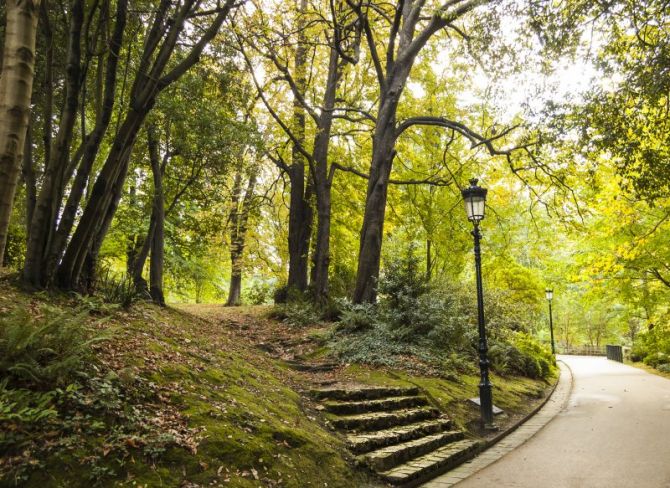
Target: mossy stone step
385,404
369,441
383,420
311,367
362,393
390,456
431,464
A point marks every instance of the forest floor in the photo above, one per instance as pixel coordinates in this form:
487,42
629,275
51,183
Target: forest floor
197,395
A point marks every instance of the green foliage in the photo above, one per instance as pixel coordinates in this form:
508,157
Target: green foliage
45,351
435,325
521,354
653,347
356,317
259,293
115,288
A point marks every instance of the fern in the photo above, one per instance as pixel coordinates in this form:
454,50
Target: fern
45,350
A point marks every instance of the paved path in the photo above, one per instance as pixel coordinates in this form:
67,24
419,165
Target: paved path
614,432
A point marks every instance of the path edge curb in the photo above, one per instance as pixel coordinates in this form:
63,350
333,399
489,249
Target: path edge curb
483,445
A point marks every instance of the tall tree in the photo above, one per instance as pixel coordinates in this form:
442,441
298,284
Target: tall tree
241,201
16,84
409,30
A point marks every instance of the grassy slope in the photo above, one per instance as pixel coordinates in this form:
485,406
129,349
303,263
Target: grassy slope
514,394
243,422
250,427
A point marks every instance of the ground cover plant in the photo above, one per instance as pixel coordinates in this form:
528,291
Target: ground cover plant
105,395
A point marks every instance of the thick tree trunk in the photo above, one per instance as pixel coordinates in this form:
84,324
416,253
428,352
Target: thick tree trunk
97,209
150,80
158,211
16,86
91,144
321,259
28,172
300,209
369,255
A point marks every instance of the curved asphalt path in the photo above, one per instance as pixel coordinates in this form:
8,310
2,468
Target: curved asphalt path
614,432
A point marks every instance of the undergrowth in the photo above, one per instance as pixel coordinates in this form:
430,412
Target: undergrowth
431,328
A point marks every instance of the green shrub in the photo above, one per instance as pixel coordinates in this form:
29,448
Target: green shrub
664,367
116,288
296,313
357,317
46,350
258,294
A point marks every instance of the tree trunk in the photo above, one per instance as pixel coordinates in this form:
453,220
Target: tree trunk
369,255
323,183
158,211
141,285
43,223
300,209
91,144
159,46
16,85
239,218
28,171
429,260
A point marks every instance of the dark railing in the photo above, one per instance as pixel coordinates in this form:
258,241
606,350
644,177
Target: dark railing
615,353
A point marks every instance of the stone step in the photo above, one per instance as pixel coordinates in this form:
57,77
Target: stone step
385,404
369,441
387,457
311,367
383,420
363,393
431,464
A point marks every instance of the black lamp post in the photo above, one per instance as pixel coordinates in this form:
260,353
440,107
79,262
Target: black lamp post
550,296
475,201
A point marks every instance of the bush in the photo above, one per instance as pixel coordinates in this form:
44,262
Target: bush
46,350
435,325
357,317
259,293
665,368
652,347
116,288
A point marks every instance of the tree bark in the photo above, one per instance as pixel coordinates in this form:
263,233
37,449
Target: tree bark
239,218
323,182
28,172
300,208
43,223
158,212
16,85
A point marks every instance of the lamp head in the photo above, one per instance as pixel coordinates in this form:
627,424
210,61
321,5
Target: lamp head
474,198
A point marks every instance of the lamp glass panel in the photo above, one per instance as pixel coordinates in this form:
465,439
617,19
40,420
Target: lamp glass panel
550,294
474,206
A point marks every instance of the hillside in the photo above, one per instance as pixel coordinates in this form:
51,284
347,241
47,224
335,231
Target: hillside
196,396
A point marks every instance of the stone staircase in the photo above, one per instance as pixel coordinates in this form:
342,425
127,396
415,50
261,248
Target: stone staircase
395,431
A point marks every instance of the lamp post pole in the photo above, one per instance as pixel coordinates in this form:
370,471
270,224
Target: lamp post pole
485,387
550,296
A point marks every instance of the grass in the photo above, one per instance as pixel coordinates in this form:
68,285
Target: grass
647,368
238,415
204,407
516,395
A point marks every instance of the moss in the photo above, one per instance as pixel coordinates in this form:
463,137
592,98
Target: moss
512,394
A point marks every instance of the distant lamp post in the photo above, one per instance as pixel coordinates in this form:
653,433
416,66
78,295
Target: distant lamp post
550,296
475,201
